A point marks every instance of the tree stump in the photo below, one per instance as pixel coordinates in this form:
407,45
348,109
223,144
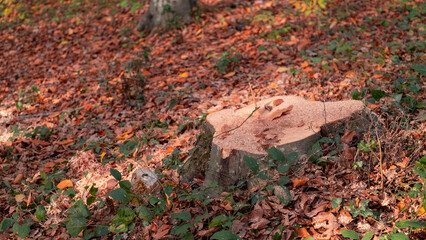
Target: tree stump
290,123
166,13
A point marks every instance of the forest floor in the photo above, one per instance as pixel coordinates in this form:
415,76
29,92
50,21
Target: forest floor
82,93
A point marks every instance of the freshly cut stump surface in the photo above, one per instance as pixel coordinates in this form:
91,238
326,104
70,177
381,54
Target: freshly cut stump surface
290,123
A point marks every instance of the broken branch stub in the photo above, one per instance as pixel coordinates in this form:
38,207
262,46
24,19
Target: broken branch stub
290,123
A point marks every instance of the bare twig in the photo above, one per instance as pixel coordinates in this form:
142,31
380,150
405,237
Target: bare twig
251,114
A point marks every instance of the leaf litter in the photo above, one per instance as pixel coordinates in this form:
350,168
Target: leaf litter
67,75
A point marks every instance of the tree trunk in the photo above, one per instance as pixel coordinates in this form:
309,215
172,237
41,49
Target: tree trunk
166,13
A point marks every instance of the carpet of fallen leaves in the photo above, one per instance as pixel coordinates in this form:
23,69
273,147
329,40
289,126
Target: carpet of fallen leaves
63,66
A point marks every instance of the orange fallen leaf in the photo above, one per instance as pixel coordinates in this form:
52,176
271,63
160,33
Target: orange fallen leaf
273,86
299,181
307,70
421,211
145,73
350,74
401,205
229,75
226,205
184,75
372,106
40,142
128,134
282,69
29,199
335,67
404,162
169,150
64,184
66,142
124,136
304,64
302,232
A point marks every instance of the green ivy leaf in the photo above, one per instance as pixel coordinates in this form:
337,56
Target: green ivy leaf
377,94
126,185
201,217
184,216
368,236
218,221
40,213
115,173
22,230
252,164
144,213
19,105
90,200
276,154
6,223
399,236
420,68
283,180
181,230
292,157
349,234
120,195
283,168
363,147
410,223
335,202
79,209
225,235
75,225
101,230
125,215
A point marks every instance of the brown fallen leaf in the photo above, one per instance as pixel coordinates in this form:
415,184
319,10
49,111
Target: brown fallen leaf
18,178
277,102
162,231
348,137
256,214
207,232
262,223
344,217
325,220
348,154
19,198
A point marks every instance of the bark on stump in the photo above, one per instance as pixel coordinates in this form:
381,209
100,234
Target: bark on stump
165,13
290,123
